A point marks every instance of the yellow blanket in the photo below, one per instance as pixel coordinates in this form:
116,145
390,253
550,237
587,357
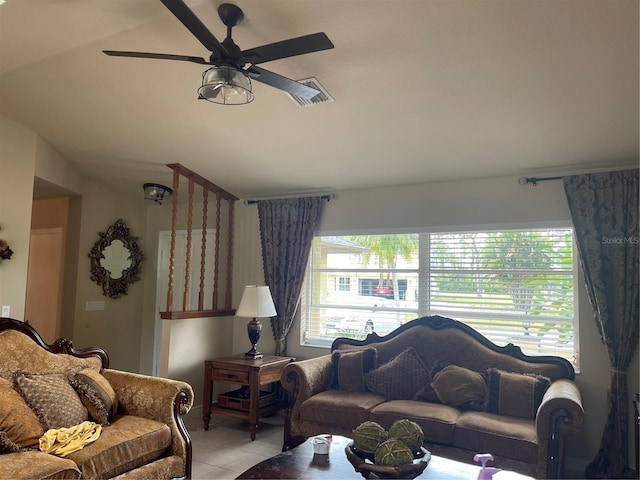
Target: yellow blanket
63,441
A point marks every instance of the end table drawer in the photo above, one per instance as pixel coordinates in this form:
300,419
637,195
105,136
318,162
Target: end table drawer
223,375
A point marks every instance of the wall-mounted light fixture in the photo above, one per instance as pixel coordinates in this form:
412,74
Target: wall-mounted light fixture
156,192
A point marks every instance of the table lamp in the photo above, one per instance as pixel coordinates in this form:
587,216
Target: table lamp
256,302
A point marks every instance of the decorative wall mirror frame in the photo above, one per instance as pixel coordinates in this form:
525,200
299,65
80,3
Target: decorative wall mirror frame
115,260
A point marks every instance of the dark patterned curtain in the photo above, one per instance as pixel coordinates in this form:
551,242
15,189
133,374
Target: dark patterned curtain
604,208
287,228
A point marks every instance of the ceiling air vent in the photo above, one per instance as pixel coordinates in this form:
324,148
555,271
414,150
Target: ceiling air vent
322,97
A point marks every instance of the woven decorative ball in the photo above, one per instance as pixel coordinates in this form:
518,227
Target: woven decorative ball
368,436
393,452
409,432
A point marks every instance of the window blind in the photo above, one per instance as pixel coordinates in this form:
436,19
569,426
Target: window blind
513,286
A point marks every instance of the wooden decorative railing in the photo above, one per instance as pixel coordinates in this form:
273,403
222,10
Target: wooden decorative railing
221,295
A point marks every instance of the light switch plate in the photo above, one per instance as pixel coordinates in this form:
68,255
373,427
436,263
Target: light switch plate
6,310
94,306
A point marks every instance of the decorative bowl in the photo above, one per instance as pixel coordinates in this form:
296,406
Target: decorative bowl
363,463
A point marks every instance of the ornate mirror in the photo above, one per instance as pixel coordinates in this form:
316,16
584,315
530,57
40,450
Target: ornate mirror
115,260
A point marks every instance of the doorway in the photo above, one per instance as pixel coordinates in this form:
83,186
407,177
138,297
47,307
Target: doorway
44,282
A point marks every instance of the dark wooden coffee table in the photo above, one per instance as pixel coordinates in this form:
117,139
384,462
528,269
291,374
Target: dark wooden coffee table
300,462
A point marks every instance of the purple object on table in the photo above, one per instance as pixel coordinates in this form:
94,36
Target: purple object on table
486,473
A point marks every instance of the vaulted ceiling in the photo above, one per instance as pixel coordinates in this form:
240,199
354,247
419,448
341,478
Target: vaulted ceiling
424,91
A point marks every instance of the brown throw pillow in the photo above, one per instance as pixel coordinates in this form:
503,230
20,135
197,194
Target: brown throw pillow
52,399
19,426
350,367
96,395
400,378
427,393
514,394
461,388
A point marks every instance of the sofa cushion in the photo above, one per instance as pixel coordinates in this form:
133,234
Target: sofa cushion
36,464
19,426
511,437
166,467
515,394
52,398
339,407
461,388
96,395
436,420
400,378
127,443
350,367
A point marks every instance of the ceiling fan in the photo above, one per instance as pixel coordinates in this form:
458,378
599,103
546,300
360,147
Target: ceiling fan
227,81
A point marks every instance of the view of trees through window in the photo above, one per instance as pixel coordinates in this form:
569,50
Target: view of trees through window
513,286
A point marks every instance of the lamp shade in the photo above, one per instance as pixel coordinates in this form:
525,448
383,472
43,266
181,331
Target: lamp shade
256,302
225,85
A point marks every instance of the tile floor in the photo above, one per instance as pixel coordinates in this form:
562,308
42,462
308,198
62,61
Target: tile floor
225,450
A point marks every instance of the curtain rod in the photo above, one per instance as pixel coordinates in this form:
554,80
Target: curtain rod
328,197
534,180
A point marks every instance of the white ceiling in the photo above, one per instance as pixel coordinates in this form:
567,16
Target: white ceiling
424,91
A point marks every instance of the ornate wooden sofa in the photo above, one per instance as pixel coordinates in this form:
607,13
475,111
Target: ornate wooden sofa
468,395
43,386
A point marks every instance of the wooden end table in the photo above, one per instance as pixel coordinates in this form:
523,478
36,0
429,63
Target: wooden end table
246,371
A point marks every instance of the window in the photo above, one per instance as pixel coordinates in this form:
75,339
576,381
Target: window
513,286
344,284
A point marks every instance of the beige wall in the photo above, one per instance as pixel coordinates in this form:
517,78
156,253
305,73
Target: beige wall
53,168
191,342
117,328
17,168
50,212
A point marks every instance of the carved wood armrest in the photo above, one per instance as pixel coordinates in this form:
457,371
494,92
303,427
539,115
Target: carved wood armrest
560,413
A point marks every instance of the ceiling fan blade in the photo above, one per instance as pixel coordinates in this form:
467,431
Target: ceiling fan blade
288,48
283,83
195,26
158,56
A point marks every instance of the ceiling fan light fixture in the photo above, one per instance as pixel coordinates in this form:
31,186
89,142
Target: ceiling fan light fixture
225,85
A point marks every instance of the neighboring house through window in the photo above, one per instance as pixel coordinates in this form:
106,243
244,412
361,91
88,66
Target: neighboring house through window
344,284
513,286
